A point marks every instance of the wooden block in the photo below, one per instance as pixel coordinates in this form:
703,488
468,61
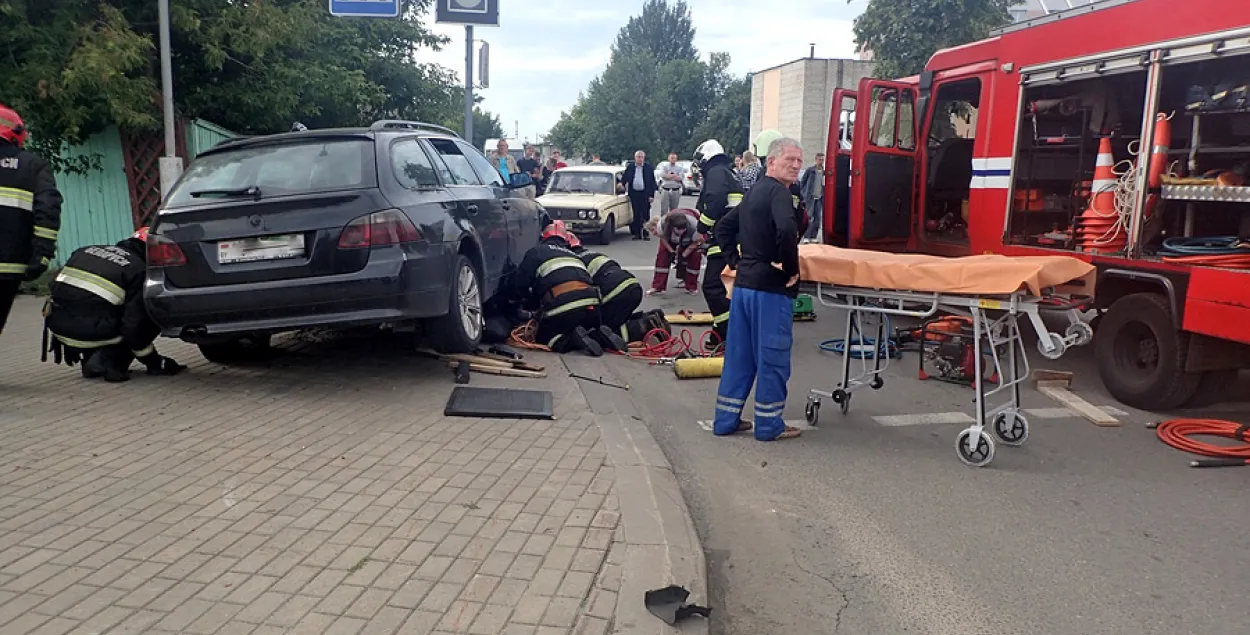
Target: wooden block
1052,377
499,370
1098,416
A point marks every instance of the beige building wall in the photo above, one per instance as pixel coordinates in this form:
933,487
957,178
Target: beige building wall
795,98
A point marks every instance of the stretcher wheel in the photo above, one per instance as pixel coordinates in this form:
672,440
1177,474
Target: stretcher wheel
975,447
877,382
1011,431
843,399
1057,341
812,412
1081,332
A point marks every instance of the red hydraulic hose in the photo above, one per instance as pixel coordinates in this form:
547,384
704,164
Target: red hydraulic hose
1180,433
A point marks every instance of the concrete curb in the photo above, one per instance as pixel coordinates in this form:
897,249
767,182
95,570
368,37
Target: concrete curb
661,546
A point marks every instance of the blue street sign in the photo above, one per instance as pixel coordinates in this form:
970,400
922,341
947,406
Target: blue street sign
365,8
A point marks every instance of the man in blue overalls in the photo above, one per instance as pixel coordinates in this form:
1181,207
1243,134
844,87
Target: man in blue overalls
761,241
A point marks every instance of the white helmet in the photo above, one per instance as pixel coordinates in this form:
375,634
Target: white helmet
707,150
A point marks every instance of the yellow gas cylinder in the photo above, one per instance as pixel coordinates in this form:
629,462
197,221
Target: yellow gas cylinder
698,367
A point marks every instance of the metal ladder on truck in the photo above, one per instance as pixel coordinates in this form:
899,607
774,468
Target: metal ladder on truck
1038,12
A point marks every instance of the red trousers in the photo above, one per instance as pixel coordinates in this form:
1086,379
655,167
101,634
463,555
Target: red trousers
687,268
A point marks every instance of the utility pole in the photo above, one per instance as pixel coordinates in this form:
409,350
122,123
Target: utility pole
468,82
171,163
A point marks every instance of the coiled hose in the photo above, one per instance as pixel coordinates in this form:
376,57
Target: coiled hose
1180,433
1229,252
865,347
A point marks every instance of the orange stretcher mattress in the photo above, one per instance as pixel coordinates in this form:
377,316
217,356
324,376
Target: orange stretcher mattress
985,275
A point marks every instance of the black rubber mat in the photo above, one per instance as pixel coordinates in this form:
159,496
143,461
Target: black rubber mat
500,403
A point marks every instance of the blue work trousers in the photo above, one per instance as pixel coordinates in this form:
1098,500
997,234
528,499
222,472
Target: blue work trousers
757,351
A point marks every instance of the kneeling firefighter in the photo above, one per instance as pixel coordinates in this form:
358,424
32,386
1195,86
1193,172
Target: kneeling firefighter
555,283
721,192
95,314
622,295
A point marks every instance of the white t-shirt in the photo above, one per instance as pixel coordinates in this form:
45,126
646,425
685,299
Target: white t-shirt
670,168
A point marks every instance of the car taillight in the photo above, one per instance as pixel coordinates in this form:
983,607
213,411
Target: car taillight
387,227
163,252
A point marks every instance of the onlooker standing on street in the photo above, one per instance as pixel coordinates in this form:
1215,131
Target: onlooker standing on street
760,239
594,160
812,190
555,154
529,164
639,182
503,161
670,175
750,172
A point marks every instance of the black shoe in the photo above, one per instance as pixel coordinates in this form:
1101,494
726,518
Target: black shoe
587,343
646,237
610,341
117,375
91,367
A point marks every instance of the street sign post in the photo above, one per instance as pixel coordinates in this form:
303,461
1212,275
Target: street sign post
365,8
468,12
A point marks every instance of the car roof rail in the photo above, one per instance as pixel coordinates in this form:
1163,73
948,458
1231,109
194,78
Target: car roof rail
386,124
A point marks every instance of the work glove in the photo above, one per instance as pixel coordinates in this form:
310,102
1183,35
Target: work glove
38,265
162,365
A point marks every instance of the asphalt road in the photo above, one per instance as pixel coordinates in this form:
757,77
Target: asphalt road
870,524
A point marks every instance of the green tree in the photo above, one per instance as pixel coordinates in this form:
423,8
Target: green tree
729,119
904,34
73,67
618,110
485,126
663,29
568,132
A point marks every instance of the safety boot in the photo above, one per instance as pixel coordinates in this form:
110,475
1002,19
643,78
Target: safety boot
92,368
609,340
583,340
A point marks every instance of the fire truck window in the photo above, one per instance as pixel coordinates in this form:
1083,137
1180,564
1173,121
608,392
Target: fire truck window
955,112
882,116
907,122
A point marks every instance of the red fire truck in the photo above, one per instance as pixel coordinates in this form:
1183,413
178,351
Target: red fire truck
994,149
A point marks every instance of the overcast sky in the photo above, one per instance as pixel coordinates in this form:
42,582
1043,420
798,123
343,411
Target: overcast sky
547,51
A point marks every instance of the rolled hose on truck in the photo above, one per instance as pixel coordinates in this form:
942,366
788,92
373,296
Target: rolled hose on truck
1229,252
1180,433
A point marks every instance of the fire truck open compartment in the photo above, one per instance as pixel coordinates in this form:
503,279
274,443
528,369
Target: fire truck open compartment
1061,126
1205,193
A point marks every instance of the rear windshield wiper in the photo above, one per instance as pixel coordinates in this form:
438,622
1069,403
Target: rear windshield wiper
250,190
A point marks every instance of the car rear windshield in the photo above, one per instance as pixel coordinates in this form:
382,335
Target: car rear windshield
582,182
278,170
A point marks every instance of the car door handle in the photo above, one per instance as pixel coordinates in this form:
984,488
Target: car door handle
472,209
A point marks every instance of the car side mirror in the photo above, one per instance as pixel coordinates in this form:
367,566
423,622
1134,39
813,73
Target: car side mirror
519,180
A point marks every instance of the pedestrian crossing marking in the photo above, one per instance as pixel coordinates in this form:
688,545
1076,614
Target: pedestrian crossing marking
939,418
923,419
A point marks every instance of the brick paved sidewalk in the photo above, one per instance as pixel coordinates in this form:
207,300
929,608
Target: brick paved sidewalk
323,493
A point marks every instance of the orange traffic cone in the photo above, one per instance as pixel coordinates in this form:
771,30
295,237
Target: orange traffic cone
1097,230
1159,159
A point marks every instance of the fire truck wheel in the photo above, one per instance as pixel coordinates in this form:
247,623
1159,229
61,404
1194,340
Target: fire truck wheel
1214,387
1141,355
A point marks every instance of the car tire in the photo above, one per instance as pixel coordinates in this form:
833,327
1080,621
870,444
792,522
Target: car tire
237,350
609,230
460,330
1141,354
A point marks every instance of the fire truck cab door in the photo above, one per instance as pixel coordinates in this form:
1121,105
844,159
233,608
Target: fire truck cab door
835,218
884,164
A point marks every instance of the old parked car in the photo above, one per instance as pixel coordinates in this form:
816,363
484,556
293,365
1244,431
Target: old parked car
396,223
588,200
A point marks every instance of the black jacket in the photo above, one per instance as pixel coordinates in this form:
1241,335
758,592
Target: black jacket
648,179
762,231
97,299
606,273
544,266
721,192
30,210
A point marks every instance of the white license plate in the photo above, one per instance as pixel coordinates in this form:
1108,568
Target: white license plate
261,248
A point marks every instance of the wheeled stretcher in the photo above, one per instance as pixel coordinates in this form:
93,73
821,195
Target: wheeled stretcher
997,337
994,291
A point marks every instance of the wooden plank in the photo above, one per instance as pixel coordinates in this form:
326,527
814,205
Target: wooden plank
499,370
516,363
1052,377
1097,416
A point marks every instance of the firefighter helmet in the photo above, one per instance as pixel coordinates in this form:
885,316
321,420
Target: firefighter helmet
141,234
707,150
574,241
11,127
557,229
762,141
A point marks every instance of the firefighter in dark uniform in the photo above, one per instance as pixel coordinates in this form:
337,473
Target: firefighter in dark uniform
95,314
30,212
621,295
721,192
555,283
